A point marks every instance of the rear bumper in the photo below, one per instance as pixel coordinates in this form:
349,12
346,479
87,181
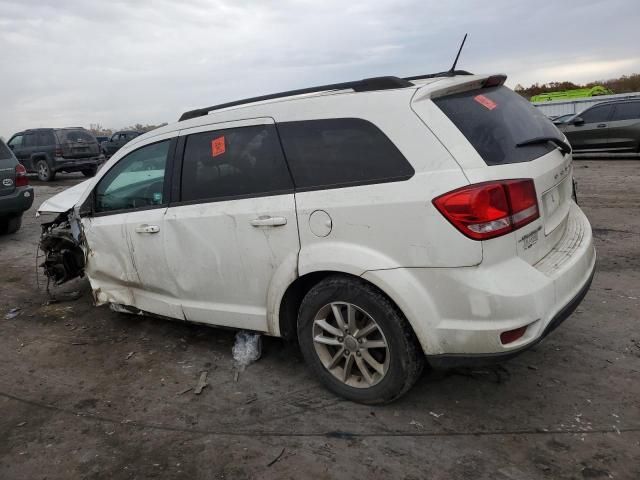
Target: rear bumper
17,202
462,360
458,314
77,164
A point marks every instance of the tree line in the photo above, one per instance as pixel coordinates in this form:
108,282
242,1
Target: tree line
624,84
100,130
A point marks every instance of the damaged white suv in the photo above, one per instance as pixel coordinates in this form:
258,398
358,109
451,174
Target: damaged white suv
384,223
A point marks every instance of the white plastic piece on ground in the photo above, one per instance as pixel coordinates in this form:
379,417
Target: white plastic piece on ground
247,348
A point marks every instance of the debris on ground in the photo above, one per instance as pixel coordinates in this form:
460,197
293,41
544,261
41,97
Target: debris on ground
417,424
436,415
276,459
129,355
247,348
202,382
13,313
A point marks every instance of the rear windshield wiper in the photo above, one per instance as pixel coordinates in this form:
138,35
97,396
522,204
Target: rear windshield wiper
561,144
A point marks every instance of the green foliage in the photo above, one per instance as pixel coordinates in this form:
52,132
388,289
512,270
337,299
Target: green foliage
624,84
99,130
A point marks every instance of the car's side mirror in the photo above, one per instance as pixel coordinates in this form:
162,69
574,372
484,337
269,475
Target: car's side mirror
578,121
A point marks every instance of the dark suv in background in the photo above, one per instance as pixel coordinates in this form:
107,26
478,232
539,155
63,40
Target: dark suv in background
16,195
47,151
117,141
606,127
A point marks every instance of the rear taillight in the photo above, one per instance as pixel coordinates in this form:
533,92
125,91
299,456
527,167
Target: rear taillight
21,176
57,152
490,209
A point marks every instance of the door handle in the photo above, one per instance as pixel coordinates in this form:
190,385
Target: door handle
147,228
266,221
602,125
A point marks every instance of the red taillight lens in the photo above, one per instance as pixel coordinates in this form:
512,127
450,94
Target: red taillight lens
21,176
490,209
57,152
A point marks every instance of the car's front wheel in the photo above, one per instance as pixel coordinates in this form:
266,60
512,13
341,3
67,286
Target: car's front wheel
11,224
44,171
357,342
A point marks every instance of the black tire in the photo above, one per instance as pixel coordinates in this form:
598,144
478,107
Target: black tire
90,172
44,171
10,224
405,357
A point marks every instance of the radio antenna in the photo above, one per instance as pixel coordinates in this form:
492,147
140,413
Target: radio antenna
455,62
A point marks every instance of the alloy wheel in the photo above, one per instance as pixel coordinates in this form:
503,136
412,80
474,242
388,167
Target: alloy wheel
350,344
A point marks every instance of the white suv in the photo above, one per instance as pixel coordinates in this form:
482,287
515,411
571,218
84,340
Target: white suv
383,223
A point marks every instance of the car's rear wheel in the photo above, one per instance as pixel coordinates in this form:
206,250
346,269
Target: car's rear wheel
357,342
10,224
90,172
44,171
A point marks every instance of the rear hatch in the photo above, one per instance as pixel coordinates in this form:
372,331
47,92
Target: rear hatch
495,134
7,170
77,143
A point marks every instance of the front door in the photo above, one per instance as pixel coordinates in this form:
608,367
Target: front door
125,235
232,237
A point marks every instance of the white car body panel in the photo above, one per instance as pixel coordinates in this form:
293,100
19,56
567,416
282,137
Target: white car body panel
208,264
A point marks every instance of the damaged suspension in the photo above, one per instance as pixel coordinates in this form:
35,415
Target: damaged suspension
64,258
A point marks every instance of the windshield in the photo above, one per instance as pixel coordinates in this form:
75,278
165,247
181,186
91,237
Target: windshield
495,120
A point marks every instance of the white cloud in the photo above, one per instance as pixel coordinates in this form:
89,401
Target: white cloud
75,62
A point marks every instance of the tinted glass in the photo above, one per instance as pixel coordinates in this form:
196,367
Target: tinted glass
234,162
340,152
495,120
46,138
16,141
627,111
75,136
597,114
30,140
5,152
136,181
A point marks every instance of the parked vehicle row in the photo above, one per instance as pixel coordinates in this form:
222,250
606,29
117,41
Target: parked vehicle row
47,151
383,223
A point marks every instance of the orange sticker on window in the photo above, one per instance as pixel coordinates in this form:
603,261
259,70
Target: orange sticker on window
485,102
217,146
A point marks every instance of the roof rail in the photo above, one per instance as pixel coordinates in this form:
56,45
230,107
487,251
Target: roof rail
448,73
365,85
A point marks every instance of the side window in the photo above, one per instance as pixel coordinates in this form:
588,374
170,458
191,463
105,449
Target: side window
46,138
136,181
341,152
115,137
30,140
597,114
627,111
16,142
234,162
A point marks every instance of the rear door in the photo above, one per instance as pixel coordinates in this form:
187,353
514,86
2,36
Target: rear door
624,127
7,170
593,134
232,236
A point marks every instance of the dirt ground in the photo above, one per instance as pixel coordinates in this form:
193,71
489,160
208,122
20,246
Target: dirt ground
89,393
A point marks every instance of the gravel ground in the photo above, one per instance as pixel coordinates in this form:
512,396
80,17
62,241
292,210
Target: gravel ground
89,393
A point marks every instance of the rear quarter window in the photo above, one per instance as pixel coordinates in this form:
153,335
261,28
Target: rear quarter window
5,152
341,152
494,120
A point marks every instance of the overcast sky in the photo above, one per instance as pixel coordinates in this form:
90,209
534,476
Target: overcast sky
117,63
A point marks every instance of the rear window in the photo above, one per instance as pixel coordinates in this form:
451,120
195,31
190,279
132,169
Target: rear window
495,120
75,136
5,153
341,152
